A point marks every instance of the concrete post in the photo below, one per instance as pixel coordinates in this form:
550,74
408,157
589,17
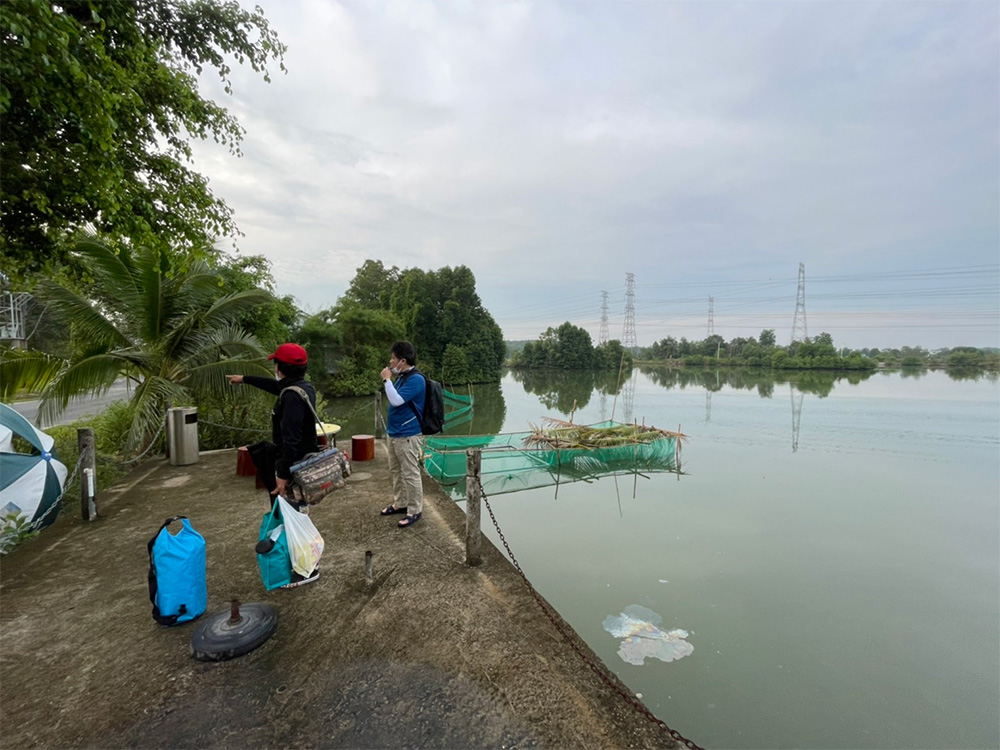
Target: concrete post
88,473
473,534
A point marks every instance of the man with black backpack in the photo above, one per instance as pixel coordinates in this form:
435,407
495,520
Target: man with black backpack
406,404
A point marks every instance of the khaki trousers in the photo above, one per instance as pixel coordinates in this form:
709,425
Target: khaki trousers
405,454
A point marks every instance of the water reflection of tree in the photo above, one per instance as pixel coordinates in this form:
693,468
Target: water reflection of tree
912,372
970,373
558,390
816,382
489,410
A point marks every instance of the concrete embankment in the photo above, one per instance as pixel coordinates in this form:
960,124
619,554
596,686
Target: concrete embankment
433,654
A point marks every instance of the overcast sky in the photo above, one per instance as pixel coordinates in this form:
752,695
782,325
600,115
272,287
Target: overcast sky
706,147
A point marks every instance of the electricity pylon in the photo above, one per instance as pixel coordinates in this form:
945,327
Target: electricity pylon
628,332
602,338
799,332
711,316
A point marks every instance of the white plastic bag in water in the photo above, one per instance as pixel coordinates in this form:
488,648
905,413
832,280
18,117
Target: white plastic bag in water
305,543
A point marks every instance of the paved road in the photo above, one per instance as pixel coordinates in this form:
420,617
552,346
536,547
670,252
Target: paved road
77,407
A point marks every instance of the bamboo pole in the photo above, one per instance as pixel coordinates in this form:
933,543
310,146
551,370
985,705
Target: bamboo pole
677,452
621,366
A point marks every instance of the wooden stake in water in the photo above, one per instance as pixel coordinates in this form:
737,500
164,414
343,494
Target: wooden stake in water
473,495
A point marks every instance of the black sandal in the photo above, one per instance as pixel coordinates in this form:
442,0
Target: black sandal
409,521
392,510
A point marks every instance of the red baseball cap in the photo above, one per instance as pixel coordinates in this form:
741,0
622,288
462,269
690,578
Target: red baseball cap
290,354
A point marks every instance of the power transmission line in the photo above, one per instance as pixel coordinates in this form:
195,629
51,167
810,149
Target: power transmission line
959,298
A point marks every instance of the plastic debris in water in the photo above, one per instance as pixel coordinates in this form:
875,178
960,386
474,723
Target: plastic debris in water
642,638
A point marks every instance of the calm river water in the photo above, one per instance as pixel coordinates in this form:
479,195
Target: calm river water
832,551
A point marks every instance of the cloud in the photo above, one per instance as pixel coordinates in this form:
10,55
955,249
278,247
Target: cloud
552,147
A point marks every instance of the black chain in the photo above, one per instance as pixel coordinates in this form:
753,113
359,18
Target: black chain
600,671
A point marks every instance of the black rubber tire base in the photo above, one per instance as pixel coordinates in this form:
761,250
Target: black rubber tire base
217,640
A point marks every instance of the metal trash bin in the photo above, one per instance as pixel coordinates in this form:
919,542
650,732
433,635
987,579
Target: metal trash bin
182,435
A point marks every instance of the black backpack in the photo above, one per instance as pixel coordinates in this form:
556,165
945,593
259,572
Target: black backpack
432,420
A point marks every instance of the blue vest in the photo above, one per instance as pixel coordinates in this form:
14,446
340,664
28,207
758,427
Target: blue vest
402,422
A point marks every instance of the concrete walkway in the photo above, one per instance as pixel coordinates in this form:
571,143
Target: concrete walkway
436,654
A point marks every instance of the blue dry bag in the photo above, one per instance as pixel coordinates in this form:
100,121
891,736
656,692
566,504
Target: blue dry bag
275,565
177,586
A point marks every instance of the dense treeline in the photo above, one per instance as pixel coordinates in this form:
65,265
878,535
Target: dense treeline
456,338
818,353
174,326
570,347
959,357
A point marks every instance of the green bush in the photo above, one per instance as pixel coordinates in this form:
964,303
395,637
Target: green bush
15,529
110,433
960,359
242,418
239,419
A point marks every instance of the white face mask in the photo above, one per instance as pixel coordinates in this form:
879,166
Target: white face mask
394,370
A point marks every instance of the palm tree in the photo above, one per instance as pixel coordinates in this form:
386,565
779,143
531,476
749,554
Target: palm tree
167,327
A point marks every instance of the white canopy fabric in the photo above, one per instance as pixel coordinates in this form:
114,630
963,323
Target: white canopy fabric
30,482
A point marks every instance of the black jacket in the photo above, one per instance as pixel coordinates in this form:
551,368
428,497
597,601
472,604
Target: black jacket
293,426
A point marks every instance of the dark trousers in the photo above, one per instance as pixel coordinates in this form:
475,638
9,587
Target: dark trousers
264,455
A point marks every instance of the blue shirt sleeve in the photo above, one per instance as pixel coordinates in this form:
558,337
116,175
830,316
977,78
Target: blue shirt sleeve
413,386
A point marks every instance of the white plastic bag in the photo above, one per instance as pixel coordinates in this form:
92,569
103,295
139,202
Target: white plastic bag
305,544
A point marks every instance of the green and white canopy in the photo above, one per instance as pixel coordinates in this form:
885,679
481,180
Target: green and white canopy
30,482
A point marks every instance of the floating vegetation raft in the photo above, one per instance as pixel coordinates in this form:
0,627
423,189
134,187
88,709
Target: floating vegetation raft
556,434
556,453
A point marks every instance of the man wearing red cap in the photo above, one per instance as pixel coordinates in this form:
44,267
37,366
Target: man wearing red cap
293,427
